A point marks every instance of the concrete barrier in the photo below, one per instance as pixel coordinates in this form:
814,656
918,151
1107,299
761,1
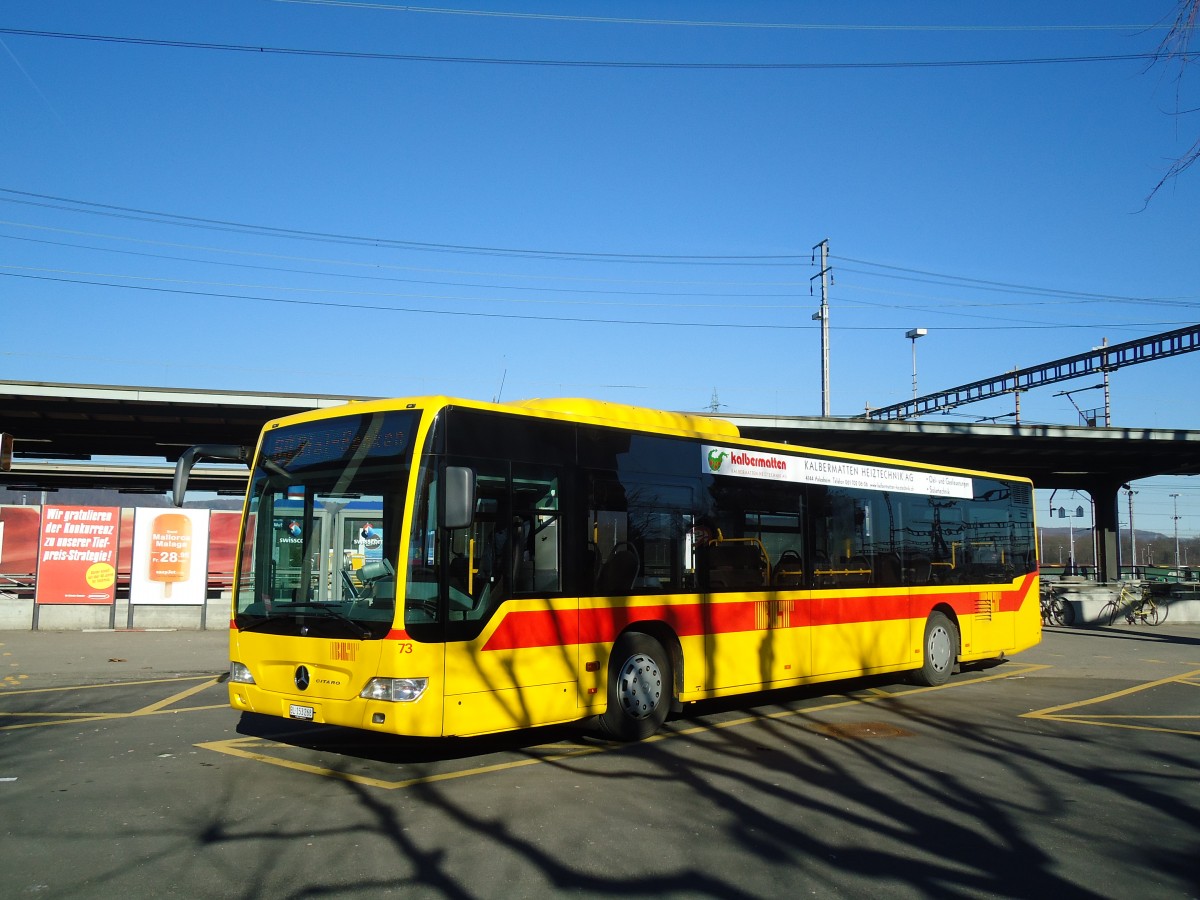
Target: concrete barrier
20,614
1087,600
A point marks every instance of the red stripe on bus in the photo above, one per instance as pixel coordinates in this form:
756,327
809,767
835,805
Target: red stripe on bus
1011,601
397,634
535,628
601,626
553,628
869,608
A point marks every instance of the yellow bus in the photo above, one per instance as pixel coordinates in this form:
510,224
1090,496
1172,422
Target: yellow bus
432,566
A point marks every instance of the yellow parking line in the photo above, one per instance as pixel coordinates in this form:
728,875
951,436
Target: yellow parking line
102,717
1080,720
49,715
172,700
1156,718
238,747
111,684
1131,722
160,707
853,701
1049,711
241,747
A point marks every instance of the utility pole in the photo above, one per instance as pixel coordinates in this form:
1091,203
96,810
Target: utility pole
823,315
1017,407
1104,370
1175,498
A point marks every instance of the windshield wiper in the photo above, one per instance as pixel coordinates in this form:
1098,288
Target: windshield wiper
275,468
329,613
260,624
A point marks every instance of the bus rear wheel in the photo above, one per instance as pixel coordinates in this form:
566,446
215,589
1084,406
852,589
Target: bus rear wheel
639,688
939,651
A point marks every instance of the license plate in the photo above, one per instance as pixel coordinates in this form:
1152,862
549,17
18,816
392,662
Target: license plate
300,712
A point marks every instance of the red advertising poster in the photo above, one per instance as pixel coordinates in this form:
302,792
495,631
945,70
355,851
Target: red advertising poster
223,530
77,554
19,530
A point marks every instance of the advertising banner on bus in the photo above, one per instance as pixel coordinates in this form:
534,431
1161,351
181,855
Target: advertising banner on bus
77,555
742,463
170,557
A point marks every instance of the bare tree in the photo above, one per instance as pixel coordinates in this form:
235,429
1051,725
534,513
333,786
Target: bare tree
1175,46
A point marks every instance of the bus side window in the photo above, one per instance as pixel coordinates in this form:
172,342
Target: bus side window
615,563
537,556
641,535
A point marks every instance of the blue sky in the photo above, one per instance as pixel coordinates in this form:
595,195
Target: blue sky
380,215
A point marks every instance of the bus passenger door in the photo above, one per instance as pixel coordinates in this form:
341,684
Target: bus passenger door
511,634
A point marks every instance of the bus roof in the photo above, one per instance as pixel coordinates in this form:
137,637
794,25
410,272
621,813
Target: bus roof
613,415
598,412
632,416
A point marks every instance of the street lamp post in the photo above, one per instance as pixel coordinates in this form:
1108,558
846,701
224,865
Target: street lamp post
912,334
1132,532
1064,513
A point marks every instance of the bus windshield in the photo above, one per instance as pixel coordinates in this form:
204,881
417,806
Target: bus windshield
319,546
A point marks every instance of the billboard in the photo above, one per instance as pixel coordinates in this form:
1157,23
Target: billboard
77,554
170,557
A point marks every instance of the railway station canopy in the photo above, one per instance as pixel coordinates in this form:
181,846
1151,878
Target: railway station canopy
128,438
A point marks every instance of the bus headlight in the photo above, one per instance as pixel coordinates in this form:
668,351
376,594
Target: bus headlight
395,690
240,674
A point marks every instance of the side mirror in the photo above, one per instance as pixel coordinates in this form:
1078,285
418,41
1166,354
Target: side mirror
458,493
375,570
188,458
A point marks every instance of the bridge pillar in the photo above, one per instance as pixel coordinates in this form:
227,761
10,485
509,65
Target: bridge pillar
1105,494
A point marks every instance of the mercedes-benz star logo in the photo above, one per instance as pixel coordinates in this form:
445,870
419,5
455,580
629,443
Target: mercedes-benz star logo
302,678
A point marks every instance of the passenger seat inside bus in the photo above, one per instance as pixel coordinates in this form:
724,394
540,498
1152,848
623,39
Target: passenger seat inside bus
620,571
789,570
735,565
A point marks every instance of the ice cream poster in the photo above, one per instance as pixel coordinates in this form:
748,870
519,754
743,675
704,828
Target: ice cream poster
170,557
77,554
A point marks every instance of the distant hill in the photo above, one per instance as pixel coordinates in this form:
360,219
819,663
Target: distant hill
1142,536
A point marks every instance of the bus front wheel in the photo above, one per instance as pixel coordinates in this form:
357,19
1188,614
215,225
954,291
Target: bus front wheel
939,651
639,688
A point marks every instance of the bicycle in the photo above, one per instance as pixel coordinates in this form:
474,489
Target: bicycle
1140,608
1055,610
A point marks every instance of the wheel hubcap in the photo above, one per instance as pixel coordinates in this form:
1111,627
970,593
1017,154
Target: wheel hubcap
940,651
639,686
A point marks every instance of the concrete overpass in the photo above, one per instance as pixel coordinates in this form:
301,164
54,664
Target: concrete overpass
128,438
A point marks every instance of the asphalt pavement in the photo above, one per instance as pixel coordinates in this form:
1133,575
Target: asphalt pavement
30,658
1069,771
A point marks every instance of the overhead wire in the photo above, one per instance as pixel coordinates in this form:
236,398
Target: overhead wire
407,296
372,264
393,279
909,274
757,326
580,63
980,283
701,23
555,293
122,212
